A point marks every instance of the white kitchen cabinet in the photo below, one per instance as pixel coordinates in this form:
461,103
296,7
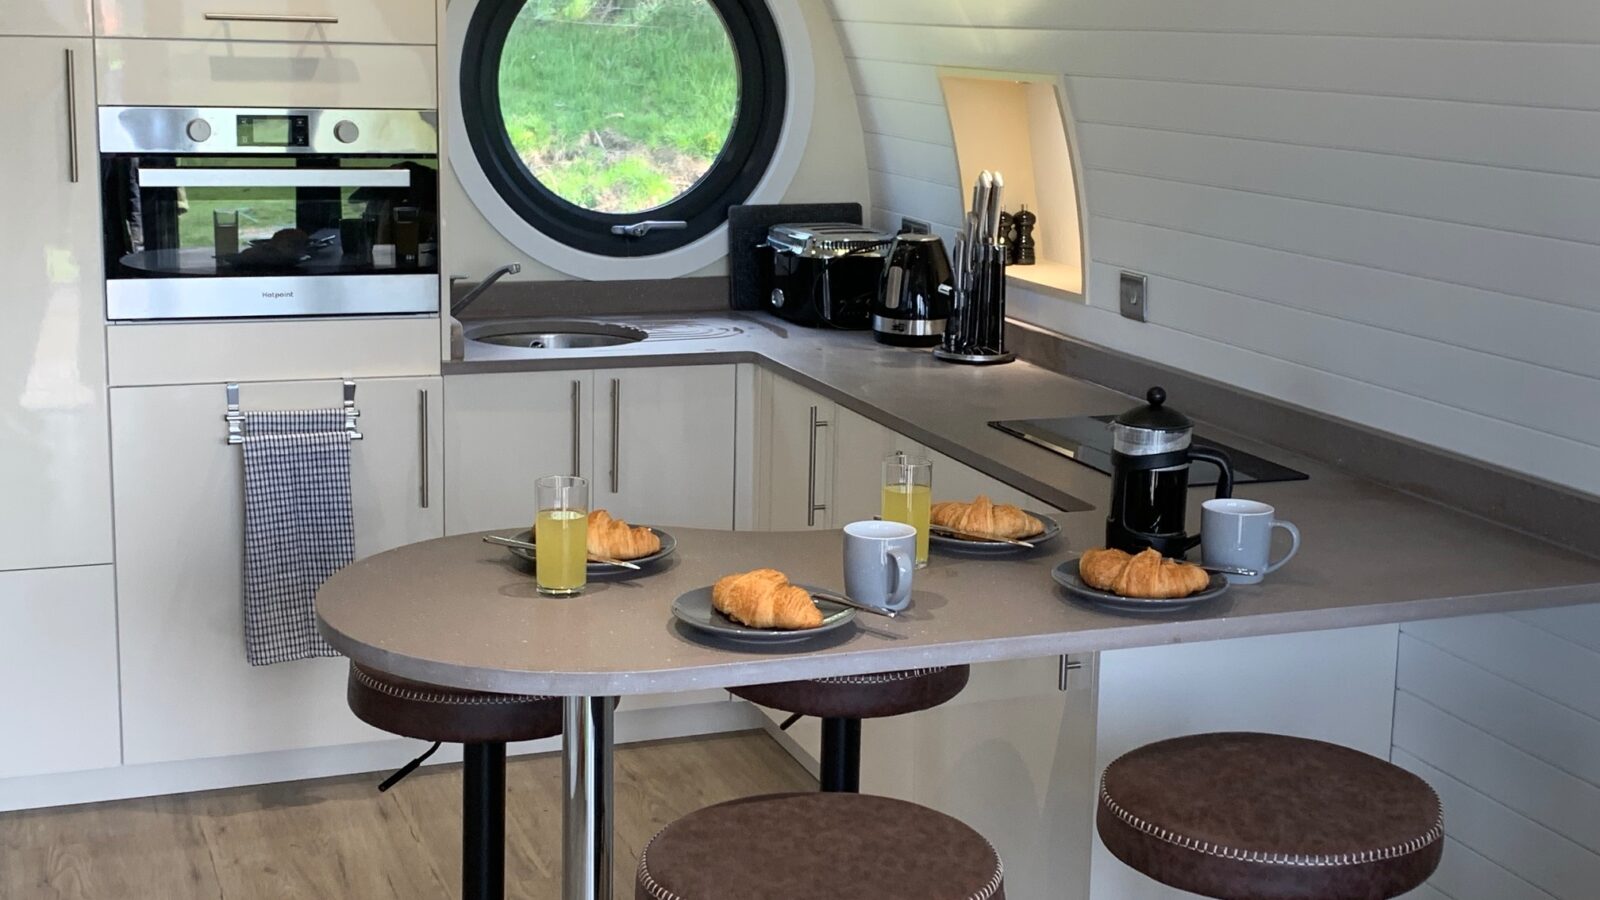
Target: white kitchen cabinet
796,444
311,21
44,17
187,691
664,445
502,432
55,465
138,72
675,447
58,654
859,446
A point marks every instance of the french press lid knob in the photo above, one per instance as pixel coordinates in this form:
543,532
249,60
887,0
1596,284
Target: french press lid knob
1155,416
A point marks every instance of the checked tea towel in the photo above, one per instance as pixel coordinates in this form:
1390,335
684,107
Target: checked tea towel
298,528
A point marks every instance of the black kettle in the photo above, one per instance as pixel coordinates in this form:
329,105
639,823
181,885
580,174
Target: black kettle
1150,456
913,300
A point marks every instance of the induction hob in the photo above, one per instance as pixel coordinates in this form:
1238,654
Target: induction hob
1087,439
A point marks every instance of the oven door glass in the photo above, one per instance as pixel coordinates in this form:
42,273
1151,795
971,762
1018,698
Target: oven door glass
237,236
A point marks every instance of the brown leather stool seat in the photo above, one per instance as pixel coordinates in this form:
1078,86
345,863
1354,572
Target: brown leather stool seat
843,702
1244,816
862,696
818,847
449,715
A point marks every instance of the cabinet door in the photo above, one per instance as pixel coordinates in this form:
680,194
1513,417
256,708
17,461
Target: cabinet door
43,17
799,449
55,465
664,445
310,21
503,432
859,446
187,691
58,652
142,72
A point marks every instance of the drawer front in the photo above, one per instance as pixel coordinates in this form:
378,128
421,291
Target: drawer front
239,73
316,21
58,657
45,17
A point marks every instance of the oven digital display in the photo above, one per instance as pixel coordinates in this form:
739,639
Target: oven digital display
272,131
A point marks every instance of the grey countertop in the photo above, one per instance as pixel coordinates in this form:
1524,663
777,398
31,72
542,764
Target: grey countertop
458,612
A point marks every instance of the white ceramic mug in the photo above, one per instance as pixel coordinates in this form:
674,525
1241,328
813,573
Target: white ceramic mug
1237,534
879,558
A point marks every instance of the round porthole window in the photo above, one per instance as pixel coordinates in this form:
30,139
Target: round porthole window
622,128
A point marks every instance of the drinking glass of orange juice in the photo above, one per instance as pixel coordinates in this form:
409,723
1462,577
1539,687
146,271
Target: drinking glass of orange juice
908,494
561,535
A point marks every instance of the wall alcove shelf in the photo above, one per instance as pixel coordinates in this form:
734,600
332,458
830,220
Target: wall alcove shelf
1017,124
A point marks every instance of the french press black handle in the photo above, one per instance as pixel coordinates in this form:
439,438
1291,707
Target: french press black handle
1224,466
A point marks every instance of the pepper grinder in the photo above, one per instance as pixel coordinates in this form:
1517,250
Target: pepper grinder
1025,221
1008,234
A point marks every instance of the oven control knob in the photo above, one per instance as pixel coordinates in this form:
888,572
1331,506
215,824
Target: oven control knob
199,130
777,298
346,132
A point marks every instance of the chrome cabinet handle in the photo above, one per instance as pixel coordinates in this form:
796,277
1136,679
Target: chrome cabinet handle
577,422
269,17
72,117
422,442
812,506
616,435
1064,676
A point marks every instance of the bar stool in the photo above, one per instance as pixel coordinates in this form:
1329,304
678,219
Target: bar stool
842,703
818,847
484,724
1243,816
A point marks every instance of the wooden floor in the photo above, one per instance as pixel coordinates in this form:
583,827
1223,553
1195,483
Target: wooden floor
340,838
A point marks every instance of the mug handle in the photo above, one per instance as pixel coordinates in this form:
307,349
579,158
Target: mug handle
900,578
1294,533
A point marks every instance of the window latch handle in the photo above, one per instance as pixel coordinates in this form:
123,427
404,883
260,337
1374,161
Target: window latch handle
640,229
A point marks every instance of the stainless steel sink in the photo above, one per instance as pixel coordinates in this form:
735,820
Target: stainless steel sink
554,334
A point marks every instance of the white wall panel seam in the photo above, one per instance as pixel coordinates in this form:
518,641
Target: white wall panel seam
1587,858
1559,338
1148,269
1255,139
1562,272
1333,259
901,137
1534,370
1373,209
1503,677
1486,734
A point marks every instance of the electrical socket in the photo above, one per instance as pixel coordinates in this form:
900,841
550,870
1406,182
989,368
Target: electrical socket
1132,296
914,226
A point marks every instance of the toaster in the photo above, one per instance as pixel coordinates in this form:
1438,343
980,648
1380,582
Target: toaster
824,274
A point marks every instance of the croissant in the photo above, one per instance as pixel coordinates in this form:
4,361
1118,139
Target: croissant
1146,576
616,539
985,519
764,598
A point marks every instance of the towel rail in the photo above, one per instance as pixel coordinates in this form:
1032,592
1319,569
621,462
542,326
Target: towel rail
235,415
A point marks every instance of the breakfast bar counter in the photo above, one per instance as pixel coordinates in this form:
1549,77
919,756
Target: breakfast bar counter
459,612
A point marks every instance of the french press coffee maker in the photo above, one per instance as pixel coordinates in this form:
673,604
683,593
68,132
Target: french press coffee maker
1150,456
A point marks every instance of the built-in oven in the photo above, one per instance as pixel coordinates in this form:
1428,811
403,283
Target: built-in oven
247,213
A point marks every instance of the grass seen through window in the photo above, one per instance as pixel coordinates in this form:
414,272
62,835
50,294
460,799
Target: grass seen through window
618,106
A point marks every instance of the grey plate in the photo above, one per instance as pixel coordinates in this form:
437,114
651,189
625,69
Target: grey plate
1052,530
694,609
1066,575
668,544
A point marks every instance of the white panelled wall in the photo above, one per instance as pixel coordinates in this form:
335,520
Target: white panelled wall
1384,212
1380,211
